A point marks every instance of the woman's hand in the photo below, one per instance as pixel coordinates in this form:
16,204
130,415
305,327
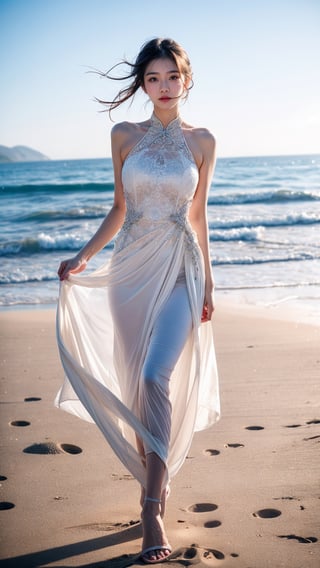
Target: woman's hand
208,304
73,265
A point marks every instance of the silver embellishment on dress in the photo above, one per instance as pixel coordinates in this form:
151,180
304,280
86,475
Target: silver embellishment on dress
132,216
180,219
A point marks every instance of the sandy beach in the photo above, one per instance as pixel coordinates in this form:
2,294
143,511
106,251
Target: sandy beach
246,497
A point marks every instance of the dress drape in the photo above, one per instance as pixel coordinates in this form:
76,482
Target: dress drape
106,319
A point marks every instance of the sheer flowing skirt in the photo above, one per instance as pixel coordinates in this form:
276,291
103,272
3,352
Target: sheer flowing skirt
136,359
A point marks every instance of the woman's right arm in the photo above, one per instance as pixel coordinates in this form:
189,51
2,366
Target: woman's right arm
113,220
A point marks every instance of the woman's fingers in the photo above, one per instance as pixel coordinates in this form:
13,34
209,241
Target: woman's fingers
72,265
204,316
207,312
64,269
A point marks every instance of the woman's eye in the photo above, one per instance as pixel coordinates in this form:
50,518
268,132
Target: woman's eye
175,77
152,79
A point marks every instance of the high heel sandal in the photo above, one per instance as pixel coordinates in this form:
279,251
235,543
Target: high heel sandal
162,501
158,547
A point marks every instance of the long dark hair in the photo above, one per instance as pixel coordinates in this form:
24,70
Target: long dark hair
156,48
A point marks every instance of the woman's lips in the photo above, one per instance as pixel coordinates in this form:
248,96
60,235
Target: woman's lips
165,98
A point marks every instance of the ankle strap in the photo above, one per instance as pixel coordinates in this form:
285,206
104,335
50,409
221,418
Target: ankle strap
152,500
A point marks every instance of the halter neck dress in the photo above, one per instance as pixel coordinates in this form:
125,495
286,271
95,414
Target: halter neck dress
106,319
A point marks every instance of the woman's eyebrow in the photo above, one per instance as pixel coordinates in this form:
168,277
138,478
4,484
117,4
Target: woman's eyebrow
157,73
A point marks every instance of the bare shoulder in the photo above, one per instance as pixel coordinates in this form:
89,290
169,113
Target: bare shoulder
201,135
125,128
121,130
125,135
206,135
201,142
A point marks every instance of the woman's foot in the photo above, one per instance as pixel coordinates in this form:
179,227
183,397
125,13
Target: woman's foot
155,547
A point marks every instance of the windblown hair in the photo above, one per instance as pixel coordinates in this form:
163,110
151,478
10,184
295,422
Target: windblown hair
157,48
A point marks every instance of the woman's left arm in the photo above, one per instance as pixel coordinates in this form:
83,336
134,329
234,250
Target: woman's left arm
198,214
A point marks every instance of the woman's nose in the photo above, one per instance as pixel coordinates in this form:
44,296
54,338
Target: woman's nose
164,87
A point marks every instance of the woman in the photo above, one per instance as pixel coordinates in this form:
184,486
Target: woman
138,363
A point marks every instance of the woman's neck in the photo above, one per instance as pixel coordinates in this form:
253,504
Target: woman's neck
166,116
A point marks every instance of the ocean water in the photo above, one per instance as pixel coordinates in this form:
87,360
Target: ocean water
264,220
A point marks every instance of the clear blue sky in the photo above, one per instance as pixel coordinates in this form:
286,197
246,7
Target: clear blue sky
255,62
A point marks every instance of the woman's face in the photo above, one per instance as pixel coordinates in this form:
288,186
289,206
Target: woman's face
163,83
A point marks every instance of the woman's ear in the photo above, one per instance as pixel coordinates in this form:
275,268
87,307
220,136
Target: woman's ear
188,82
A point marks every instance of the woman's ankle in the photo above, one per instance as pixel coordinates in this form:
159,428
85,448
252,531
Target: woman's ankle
152,506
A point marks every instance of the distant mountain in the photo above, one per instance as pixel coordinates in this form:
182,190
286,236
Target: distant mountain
20,154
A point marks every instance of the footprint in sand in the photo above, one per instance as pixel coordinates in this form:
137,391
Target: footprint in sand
195,554
50,448
309,423
6,505
32,399
267,513
211,524
211,452
234,445
19,423
3,478
202,508
254,427
190,553
289,498
124,477
301,539
205,508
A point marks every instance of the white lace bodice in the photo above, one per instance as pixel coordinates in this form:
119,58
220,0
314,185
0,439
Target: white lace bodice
159,178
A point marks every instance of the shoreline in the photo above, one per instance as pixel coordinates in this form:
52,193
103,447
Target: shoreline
290,309
247,494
